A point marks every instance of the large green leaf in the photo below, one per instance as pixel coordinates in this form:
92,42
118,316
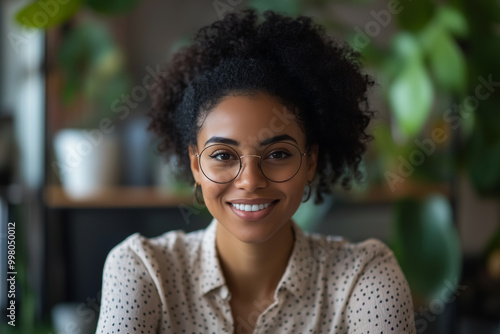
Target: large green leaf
84,46
405,45
452,20
112,6
93,68
410,94
46,14
426,244
80,51
447,61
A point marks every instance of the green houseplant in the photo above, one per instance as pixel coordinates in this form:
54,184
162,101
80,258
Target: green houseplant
93,76
86,80
91,72
429,59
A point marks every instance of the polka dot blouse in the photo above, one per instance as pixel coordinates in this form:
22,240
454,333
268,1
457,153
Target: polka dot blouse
173,283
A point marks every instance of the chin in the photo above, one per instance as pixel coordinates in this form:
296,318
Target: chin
252,236
254,230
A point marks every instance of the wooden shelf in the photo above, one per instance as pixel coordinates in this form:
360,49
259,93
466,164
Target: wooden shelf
382,193
117,197
137,197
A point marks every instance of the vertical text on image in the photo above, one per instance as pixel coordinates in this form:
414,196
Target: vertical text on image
11,273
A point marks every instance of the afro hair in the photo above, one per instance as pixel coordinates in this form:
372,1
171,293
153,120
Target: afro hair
313,74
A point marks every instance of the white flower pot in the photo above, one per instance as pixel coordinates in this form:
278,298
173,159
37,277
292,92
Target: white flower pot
86,161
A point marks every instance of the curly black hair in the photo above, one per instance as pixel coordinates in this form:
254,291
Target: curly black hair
313,74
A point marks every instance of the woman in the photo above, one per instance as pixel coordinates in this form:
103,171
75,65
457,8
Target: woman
257,111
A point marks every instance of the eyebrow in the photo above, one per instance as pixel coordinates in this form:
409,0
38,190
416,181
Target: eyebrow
228,141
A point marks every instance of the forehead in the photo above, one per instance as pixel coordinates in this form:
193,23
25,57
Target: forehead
249,120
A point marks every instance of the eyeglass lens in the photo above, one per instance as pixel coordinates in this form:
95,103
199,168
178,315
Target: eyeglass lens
221,163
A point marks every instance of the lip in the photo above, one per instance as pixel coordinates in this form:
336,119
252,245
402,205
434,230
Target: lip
255,215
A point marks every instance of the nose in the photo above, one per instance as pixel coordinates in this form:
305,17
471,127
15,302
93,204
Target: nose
250,176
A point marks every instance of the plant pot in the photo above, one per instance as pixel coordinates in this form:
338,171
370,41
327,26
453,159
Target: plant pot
74,318
86,161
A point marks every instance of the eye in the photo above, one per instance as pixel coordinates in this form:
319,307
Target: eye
279,155
221,156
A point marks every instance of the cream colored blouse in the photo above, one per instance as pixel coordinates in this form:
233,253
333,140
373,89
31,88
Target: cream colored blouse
173,283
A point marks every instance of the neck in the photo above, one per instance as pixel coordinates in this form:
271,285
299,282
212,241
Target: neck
250,272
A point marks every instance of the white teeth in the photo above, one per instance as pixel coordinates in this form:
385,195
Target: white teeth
248,207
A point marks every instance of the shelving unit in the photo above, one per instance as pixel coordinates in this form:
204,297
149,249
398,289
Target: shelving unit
380,194
117,197
143,197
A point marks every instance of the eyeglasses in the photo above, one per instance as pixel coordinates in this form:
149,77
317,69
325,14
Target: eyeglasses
280,162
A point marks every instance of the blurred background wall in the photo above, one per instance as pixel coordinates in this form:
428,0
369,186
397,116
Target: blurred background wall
79,171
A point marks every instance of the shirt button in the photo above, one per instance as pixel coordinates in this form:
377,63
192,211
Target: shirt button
224,292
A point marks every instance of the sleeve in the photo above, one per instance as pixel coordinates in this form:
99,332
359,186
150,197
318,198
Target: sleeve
380,301
129,298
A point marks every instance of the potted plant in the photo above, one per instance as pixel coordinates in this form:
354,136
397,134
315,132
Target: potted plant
92,79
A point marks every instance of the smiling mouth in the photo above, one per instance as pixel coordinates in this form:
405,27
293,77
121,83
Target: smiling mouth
252,207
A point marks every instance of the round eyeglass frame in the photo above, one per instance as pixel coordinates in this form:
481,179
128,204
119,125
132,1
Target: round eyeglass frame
252,155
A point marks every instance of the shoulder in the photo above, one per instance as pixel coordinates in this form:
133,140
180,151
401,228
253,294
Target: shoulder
352,265
168,246
342,250
369,250
367,283
376,261
379,296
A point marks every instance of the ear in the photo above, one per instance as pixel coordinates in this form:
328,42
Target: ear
195,166
312,161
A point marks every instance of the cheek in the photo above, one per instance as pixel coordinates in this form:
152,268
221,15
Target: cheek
293,190
213,191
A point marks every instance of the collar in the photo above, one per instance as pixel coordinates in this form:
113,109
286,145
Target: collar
300,266
295,279
211,271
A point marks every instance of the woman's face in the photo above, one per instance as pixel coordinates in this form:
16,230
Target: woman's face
248,121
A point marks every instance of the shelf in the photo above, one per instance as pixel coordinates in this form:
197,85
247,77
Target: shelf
116,197
382,193
137,197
